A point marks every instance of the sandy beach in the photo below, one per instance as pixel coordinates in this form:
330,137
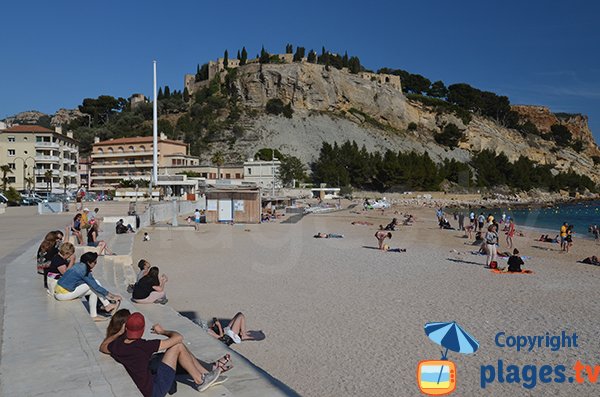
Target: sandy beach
342,318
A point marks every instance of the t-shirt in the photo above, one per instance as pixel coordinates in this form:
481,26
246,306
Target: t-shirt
515,263
491,238
197,215
143,288
563,231
481,218
57,262
135,357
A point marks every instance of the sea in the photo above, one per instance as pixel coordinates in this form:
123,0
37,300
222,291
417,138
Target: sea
579,214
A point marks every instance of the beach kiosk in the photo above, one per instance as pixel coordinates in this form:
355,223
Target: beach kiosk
238,204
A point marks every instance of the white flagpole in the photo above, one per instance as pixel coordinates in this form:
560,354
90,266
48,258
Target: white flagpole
155,133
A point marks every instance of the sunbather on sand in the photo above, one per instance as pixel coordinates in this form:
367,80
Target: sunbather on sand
591,260
328,235
234,332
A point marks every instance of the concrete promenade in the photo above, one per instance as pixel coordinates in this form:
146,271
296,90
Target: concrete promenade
49,346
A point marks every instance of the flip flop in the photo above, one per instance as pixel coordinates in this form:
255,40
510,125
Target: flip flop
224,363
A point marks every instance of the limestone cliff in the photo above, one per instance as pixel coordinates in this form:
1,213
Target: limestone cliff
334,105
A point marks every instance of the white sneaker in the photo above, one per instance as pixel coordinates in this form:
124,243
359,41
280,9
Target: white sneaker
209,378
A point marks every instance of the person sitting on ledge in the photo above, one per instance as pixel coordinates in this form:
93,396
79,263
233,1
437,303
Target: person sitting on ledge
134,353
150,288
78,281
120,227
93,241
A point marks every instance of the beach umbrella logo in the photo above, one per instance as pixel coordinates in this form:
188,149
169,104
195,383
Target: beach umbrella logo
438,377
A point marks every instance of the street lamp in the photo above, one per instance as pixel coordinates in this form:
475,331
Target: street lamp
24,159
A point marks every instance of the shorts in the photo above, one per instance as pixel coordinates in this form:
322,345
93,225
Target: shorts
235,337
563,240
93,243
163,380
197,220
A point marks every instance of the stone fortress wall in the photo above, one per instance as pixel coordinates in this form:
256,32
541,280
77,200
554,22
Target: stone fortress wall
217,67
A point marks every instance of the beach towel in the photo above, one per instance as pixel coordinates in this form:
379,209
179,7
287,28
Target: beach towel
499,271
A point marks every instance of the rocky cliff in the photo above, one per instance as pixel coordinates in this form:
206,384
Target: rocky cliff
333,105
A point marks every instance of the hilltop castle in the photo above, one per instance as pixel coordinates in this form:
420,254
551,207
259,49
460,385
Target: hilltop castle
215,68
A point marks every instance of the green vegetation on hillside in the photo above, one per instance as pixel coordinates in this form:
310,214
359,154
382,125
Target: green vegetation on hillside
347,165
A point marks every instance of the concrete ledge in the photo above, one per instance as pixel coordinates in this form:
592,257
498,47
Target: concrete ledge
52,347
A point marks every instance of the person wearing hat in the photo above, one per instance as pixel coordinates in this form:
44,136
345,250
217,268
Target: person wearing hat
85,221
129,348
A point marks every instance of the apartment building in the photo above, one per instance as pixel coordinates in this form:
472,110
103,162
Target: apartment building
263,173
131,158
41,159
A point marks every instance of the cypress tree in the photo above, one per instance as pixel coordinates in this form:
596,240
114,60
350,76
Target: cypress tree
244,57
167,92
238,54
160,93
312,57
345,60
186,95
198,76
226,59
264,56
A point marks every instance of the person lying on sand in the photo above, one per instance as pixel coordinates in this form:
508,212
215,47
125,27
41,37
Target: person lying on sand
445,224
328,235
591,260
235,332
547,239
364,223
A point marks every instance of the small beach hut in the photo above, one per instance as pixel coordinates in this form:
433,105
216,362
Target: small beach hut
240,204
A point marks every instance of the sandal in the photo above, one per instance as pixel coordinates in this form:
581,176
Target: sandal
224,363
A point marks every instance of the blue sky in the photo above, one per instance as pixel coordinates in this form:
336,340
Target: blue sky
54,54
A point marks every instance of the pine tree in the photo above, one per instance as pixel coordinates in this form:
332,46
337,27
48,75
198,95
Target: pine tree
345,60
312,57
244,57
167,92
289,49
226,59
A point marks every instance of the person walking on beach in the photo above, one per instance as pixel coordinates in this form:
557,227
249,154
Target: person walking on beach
134,353
381,235
197,219
480,221
563,236
569,238
510,233
461,221
491,241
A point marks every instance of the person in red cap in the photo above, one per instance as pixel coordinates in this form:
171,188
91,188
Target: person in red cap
134,353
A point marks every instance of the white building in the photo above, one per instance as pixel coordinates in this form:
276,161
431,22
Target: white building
263,173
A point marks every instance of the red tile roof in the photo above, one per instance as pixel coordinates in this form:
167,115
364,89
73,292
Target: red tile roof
27,128
137,139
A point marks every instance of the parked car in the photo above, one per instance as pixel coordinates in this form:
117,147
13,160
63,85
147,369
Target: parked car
3,199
